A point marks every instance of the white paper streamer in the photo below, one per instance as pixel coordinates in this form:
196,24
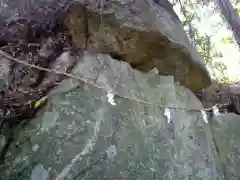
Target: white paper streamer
215,111
167,114
110,97
204,115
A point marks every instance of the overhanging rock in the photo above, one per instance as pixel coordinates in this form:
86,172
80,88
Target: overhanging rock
140,32
145,35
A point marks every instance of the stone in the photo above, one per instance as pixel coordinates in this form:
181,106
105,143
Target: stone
226,135
4,73
146,36
80,135
222,94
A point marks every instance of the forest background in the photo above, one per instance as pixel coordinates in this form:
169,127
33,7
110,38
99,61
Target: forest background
212,27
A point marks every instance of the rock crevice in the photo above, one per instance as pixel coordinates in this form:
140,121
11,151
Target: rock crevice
144,40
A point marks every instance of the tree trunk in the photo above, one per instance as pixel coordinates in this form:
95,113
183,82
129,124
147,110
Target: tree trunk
231,16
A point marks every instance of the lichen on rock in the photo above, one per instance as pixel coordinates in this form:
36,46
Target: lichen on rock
90,138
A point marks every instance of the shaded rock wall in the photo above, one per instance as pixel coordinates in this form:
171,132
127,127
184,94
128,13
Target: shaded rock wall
225,95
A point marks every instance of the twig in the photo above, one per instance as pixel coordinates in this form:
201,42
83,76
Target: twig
40,68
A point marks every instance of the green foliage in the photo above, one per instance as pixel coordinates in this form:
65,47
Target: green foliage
222,68
203,43
227,40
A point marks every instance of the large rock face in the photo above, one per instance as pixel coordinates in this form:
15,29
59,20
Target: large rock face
142,33
81,135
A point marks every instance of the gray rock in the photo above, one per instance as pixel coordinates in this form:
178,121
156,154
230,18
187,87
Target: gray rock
80,135
143,33
226,135
4,73
2,142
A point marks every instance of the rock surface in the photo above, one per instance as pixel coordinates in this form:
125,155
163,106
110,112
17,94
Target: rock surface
143,33
222,94
225,130
82,135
